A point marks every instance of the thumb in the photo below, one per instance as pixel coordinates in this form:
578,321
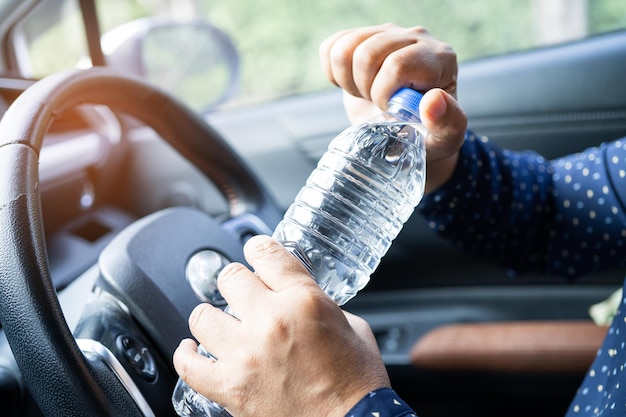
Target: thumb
446,123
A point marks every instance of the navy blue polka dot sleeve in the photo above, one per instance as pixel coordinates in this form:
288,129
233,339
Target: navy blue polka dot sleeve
383,402
565,216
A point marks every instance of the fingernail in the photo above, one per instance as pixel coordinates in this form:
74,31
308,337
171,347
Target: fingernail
437,105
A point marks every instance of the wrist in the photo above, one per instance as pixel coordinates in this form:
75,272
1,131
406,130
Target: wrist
439,172
345,399
383,402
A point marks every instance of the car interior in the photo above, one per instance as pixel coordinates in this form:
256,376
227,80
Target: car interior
110,184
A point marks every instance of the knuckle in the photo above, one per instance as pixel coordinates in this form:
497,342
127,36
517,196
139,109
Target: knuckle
447,53
397,66
280,332
389,25
200,314
229,274
311,299
418,30
340,53
365,56
263,245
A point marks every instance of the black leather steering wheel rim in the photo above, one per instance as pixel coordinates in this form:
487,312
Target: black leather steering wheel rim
56,372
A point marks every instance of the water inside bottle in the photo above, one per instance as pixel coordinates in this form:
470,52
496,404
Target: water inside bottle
355,202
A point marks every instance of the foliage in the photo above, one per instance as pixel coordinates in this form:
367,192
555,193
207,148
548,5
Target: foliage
278,39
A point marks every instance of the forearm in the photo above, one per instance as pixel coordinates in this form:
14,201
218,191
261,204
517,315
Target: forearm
529,214
480,208
438,173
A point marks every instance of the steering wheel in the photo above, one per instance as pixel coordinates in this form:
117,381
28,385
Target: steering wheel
62,380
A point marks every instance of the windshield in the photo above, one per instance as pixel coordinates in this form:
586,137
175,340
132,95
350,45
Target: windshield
277,40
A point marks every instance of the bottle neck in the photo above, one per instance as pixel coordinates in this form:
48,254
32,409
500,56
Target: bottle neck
403,113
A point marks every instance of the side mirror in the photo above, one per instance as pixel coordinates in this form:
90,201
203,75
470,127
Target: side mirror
195,61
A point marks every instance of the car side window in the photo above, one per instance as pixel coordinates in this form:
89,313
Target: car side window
51,39
278,39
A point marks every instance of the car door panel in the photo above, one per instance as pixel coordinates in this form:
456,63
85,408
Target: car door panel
555,100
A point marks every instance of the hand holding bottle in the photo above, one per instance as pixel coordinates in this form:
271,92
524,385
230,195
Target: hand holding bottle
342,222
269,362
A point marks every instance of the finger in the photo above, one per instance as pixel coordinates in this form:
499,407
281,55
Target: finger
184,358
446,123
324,54
340,56
371,53
275,266
242,289
213,328
201,373
422,65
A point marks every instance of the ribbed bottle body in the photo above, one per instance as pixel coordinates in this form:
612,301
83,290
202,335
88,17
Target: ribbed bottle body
355,202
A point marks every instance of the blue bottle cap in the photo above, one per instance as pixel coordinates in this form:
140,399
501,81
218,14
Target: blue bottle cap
407,98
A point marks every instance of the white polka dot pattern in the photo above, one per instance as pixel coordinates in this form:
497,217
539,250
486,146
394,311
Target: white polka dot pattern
565,216
600,393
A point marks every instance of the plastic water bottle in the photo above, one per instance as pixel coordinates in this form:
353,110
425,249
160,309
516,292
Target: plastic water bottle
364,188
354,204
